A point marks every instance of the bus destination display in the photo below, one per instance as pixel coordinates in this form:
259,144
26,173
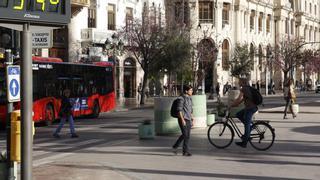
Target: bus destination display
35,11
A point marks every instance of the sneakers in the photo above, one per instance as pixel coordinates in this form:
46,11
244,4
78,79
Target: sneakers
187,154
56,135
74,135
175,150
242,144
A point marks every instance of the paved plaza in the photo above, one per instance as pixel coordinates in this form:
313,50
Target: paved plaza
109,148
295,154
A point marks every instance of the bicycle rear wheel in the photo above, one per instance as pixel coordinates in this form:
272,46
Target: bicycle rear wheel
220,134
262,136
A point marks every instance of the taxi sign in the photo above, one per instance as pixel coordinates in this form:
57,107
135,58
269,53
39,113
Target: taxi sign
13,83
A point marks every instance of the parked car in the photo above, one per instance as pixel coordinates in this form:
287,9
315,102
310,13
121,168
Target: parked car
317,88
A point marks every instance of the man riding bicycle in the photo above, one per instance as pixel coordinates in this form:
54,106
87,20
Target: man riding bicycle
245,115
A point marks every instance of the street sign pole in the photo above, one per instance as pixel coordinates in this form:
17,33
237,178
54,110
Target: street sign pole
26,102
10,170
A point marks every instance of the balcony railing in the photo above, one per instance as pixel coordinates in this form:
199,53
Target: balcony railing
82,3
94,35
205,21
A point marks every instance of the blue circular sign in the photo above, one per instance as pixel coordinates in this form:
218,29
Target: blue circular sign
14,87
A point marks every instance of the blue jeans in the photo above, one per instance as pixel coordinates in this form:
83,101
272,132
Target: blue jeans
185,136
62,121
245,116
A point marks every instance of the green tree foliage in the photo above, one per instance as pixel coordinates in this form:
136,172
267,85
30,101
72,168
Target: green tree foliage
175,55
241,63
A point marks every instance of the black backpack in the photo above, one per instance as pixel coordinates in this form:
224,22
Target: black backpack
257,98
174,107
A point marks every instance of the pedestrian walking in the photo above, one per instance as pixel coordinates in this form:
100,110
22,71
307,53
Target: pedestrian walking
258,85
185,120
289,96
65,113
218,90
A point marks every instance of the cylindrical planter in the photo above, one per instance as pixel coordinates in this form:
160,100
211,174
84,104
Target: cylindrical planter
163,122
199,105
295,108
146,131
210,119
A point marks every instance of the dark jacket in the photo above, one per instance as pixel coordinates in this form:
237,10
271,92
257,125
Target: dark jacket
66,107
185,106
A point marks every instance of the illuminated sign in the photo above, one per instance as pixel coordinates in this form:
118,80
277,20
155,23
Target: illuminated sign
35,11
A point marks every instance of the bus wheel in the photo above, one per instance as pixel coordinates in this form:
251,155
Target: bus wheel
49,115
96,110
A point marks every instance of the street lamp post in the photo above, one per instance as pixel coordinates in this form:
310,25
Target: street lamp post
114,48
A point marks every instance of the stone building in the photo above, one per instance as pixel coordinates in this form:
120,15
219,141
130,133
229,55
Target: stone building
261,24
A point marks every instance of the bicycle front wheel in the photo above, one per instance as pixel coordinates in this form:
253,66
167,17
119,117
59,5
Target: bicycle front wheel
220,134
262,136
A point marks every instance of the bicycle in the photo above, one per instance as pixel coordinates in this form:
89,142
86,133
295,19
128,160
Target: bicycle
221,133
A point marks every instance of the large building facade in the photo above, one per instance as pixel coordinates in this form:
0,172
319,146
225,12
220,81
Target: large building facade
92,37
259,23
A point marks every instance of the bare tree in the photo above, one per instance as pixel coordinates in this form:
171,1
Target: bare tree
288,55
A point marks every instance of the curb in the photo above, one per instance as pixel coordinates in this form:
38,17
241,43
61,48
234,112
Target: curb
277,111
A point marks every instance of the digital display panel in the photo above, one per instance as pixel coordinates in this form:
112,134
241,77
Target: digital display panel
35,11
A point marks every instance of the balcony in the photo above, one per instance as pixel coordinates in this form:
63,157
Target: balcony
80,3
94,35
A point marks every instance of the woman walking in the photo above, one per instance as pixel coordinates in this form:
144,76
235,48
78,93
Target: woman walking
289,96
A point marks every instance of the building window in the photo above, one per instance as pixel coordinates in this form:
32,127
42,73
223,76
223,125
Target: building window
310,8
205,12
129,19
315,34
260,56
252,15
310,34
305,33
268,23
260,22
92,18
225,55
305,6
111,17
225,14
315,9
182,12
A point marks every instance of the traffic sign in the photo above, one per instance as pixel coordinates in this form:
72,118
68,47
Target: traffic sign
13,83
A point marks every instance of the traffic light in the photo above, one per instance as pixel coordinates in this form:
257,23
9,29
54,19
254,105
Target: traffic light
6,38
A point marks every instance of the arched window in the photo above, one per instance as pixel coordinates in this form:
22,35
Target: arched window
260,21
205,52
225,55
268,22
310,34
252,16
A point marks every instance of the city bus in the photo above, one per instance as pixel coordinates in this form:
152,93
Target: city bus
91,85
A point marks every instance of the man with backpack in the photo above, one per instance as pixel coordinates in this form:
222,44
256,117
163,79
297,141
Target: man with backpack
185,119
251,99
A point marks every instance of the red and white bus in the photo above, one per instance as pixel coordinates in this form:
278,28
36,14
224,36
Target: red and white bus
91,85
